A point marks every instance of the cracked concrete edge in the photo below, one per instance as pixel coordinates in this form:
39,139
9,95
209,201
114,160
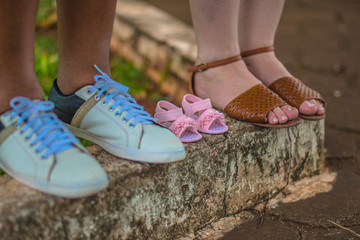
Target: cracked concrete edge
164,201
303,189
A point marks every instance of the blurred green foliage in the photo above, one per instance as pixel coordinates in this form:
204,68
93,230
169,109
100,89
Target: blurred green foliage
46,62
45,10
127,74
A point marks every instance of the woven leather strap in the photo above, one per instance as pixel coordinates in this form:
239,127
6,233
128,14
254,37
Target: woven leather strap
257,51
293,91
254,104
204,66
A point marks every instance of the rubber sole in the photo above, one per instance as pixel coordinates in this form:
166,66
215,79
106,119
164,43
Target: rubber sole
312,117
132,154
60,190
288,124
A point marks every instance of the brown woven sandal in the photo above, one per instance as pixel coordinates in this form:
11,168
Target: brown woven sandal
253,105
290,89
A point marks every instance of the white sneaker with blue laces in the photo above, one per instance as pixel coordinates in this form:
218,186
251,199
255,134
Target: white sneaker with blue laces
107,115
38,150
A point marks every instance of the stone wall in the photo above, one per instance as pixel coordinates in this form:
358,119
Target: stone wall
157,43
221,176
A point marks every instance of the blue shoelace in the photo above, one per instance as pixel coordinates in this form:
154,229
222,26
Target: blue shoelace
51,134
119,93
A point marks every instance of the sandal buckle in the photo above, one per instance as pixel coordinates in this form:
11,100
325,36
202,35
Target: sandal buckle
205,67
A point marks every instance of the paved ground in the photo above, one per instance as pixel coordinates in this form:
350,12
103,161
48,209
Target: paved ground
319,42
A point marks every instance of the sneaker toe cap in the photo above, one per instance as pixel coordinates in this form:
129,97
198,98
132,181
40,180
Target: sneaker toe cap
78,170
156,138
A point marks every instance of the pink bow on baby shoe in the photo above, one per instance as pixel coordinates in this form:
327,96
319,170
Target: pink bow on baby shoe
172,117
208,120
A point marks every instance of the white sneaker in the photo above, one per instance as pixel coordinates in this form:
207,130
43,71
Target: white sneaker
107,115
38,150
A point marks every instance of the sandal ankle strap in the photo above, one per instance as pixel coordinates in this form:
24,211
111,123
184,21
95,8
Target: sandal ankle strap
204,66
257,51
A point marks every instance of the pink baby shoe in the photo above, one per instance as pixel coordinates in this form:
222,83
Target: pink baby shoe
172,117
208,120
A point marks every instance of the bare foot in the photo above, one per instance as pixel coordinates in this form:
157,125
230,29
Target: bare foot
224,83
266,67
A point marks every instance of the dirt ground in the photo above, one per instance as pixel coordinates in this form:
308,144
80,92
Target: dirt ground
319,42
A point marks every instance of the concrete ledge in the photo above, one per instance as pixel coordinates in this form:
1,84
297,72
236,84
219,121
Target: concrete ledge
221,176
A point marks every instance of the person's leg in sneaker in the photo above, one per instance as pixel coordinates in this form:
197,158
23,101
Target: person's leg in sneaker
102,111
35,147
17,74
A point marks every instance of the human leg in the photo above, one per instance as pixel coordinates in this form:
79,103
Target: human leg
216,27
93,105
258,23
35,147
17,74
84,30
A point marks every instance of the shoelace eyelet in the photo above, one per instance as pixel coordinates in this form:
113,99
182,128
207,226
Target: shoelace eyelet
117,114
131,126
89,92
97,98
38,117
104,103
119,94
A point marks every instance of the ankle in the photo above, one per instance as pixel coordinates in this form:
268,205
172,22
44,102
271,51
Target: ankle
24,89
70,83
222,84
74,78
212,56
266,67
254,43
